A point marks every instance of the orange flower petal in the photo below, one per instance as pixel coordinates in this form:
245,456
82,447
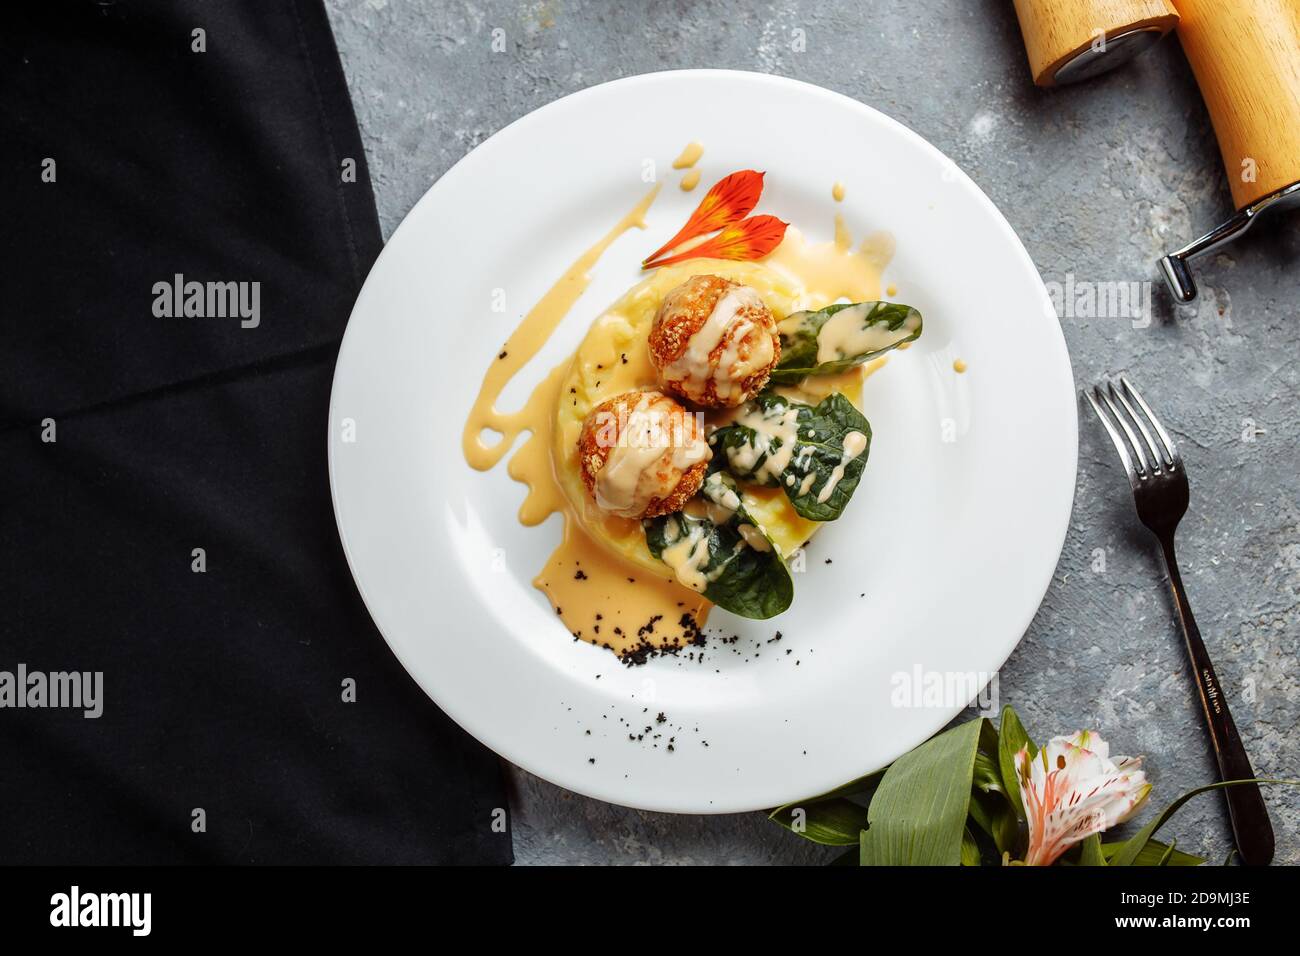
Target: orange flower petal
730,200
750,238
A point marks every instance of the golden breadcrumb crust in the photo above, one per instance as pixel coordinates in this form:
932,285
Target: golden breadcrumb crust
592,453
683,313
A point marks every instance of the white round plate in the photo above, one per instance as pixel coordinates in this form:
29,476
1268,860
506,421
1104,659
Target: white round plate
930,578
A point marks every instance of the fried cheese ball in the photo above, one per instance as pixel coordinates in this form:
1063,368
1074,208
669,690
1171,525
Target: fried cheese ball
714,342
642,454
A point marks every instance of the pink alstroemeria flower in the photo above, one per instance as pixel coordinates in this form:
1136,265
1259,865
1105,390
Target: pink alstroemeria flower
1072,790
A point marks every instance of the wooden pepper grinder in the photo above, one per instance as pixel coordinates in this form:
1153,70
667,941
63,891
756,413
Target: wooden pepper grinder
1072,40
1246,57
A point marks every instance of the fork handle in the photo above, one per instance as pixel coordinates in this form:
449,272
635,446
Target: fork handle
1250,823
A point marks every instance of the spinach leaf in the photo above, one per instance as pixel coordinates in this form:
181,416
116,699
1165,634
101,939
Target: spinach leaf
815,453
839,337
715,547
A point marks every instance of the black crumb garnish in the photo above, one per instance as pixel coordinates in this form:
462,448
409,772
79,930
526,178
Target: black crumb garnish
828,560
580,575
624,358
591,760
502,355
660,718
645,648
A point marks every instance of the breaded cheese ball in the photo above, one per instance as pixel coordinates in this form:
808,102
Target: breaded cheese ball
714,342
642,454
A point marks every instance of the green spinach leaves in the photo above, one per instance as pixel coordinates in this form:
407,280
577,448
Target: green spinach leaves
838,337
715,547
815,453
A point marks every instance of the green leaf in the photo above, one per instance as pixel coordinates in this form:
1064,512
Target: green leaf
991,808
839,337
1133,847
1090,852
1152,854
819,474
970,850
992,813
987,776
918,814
714,546
1012,737
835,822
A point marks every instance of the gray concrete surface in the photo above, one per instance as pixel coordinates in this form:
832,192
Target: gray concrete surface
1097,180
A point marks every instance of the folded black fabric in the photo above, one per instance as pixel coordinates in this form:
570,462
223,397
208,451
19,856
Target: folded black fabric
219,165
165,519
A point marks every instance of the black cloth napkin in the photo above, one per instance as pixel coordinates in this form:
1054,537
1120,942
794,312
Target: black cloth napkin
165,516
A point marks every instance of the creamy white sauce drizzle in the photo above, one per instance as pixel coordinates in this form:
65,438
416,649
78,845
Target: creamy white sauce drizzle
687,554
754,538
727,499
686,543
774,425
649,459
846,334
725,327
854,444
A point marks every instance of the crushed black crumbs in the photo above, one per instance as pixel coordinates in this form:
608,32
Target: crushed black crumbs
692,636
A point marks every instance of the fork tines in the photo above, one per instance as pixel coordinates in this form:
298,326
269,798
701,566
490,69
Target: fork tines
1118,410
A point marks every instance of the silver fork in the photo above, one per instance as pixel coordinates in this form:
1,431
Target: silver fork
1159,480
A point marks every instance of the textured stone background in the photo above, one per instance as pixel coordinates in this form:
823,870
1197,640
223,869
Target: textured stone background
1098,180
